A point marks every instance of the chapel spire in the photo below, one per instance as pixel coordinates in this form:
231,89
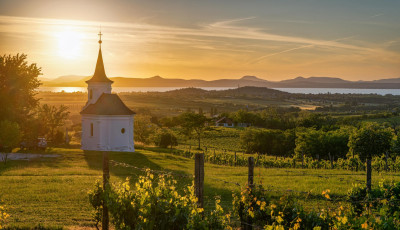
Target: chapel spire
99,73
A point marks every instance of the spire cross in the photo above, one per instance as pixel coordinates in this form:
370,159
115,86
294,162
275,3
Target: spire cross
100,37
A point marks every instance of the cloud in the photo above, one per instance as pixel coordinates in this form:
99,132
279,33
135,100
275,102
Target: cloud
293,49
221,29
220,42
376,15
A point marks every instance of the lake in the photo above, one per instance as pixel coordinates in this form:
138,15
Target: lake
289,90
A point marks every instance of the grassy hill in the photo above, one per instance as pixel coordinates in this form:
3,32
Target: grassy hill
53,191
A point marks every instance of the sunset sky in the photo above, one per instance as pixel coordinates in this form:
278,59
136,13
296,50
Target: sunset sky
207,39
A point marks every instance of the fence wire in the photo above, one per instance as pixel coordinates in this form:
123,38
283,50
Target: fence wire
283,191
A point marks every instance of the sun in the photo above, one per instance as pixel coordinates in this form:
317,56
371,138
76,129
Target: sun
69,43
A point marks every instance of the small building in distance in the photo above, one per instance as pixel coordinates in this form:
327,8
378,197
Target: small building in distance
224,122
227,122
243,124
107,123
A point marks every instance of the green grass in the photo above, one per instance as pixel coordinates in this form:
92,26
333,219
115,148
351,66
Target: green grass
53,191
219,138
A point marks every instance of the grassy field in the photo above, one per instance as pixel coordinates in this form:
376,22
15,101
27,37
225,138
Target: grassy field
53,191
219,138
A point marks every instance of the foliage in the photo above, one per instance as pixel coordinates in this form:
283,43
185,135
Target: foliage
376,210
96,199
143,129
368,141
155,203
352,163
164,138
262,141
193,122
254,207
59,137
3,216
9,134
169,121
356,195
320,144
18,81
49,118
371,140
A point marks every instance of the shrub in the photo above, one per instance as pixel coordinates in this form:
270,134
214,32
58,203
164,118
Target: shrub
164,138
3,217
155,203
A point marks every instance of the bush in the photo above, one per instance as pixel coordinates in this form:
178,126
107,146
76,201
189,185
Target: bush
3,217
155,203
59,138
164,138
254,206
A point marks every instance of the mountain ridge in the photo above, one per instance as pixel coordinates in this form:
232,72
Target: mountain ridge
298,82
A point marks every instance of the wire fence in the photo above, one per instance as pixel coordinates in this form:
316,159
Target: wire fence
337,199
208,203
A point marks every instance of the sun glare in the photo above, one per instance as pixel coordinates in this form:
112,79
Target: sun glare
69,43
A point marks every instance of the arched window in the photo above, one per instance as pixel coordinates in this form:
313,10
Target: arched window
90,94
91,129
122,130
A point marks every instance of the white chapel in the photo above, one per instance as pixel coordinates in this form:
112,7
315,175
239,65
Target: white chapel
107,123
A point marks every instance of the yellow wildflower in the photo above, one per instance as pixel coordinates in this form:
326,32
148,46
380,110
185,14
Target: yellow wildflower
364,225
251,213
344,220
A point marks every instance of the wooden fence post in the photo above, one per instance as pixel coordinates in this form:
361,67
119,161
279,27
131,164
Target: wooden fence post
214,156
251,172
106,177
199,178
248,225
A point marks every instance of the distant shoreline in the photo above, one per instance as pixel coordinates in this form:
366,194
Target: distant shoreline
289,90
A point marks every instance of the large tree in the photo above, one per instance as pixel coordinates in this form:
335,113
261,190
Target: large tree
49,119
18,81
368,141
143,129
264,141
193,122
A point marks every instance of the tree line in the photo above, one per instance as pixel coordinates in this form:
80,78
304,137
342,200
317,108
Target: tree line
22,117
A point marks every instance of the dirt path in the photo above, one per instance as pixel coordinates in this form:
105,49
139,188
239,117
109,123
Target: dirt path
24,156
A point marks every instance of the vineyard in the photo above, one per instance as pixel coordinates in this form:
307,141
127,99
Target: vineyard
50,181
155,202
233,158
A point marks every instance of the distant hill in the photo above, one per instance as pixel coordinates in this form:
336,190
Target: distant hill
298,82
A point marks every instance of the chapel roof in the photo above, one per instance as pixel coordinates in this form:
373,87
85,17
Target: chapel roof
108,104
99,73
224,120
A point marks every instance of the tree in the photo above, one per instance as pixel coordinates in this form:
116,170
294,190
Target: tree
319,144
192,122
335,143
242,116
368,141
308,143
18,81
266,141
169,121
50,118
164,138
143,129
9,136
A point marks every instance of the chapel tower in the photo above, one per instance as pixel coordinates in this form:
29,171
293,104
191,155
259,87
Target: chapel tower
107,123
99,83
